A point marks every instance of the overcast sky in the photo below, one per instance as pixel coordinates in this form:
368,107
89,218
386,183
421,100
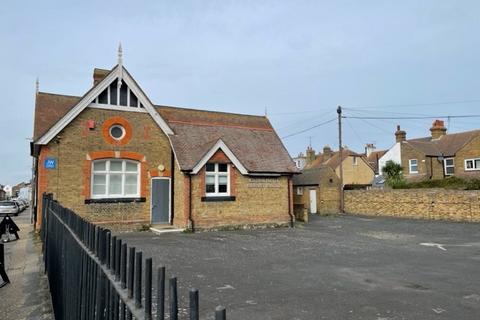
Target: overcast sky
297,59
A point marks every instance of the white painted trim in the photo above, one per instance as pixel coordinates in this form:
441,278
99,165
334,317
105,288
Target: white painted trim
216,175
220,145
473,164
117,72
107,172
146,103
116,108
79,107
169,198
410,166
445,166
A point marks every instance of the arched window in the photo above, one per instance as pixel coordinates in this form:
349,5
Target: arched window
115,178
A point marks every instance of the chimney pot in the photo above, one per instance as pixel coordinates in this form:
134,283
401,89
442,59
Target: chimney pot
400,135
438,129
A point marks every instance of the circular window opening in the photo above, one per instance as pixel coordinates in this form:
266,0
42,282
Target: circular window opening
117,132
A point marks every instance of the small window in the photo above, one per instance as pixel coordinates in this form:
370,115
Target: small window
354,161
115,178
299,191
413,165
449,165
217,180
117,132
472,164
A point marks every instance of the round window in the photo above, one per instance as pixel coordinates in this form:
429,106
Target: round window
117,132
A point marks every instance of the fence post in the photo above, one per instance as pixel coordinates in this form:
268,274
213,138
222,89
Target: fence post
194,307
148,289
118,250
161,293
173,299
138,279
220,313
112,254
131,270
123,266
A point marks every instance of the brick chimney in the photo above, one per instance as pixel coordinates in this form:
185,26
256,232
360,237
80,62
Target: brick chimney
310,155
369,148
400,135
327,153
98,75
438,129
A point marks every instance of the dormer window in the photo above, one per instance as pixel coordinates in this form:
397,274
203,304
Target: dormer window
115,96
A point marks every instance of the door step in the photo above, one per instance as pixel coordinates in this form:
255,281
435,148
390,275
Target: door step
159,229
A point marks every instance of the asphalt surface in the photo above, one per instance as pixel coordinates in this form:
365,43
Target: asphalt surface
332,268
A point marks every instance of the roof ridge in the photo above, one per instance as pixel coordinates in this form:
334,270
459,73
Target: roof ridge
59,94
210,111
446,135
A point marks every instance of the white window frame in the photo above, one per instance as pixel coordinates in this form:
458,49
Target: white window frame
299,191
217,174
107,173
449,166
410,161
473,168
355,161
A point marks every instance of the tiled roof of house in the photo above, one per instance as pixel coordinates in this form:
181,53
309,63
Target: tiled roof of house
252,139
333,161
446,145
373,158
310,177
50,108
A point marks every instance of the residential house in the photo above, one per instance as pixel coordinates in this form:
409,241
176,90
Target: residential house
318,187
114,157
437,156
373,156
317,190
357,171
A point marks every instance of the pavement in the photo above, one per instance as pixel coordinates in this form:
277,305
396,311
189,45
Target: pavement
27,296
342,267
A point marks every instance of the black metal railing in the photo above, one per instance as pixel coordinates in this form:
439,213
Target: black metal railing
91,276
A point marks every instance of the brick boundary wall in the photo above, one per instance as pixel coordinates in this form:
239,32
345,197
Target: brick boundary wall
432,204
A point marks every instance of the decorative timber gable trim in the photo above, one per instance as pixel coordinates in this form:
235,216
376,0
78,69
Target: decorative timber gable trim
118,73
222,146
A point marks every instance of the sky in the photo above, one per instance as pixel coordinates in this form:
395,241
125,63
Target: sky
296,61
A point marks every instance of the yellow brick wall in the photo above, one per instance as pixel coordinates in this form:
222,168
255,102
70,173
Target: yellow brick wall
361,173
258,201
67,181
435,204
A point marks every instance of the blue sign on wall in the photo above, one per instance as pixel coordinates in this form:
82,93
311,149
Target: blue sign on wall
50,163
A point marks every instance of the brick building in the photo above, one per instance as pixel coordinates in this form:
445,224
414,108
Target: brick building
437,156
357,171
114,157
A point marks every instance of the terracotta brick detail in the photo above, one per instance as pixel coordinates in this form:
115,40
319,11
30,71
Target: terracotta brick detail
219,157
42,182
233,180
186,198
120,121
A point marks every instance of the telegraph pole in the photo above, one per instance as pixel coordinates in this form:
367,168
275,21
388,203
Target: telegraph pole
340,149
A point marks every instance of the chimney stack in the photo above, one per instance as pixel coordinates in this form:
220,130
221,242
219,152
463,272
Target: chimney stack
310,155
438,129
369,148
327,153
400,135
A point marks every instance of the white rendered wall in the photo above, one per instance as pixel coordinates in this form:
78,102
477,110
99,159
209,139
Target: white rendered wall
394,154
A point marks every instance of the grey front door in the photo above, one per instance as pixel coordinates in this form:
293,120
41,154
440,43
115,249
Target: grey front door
160,200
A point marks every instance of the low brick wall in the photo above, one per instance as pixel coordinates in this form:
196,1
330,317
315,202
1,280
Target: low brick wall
435,204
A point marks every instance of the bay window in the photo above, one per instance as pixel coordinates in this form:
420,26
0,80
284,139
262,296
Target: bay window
217,180
115,178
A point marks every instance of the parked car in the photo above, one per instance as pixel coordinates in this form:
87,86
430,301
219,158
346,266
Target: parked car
9,207
20,203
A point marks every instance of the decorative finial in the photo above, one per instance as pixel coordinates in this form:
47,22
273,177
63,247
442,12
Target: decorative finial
37,86
120,53
265,111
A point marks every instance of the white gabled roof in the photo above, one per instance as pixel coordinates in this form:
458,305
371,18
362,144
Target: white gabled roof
222,146
118,72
